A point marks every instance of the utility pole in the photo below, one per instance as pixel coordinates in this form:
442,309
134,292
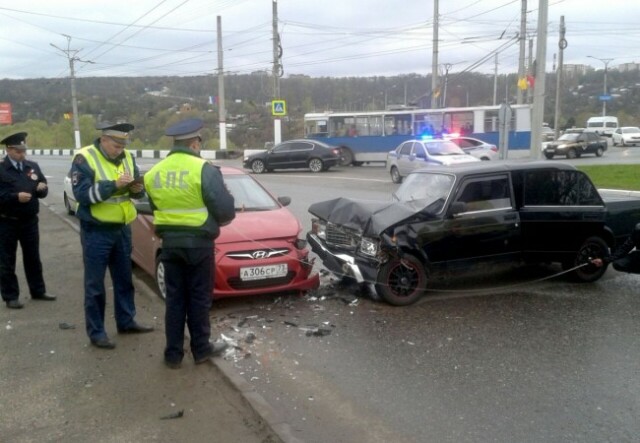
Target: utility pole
522,37
222,117
434,58
537,117
604,98
530,71
495,81
562,44
71,56
447,67
277,71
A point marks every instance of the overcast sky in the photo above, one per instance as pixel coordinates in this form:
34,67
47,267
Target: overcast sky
318,38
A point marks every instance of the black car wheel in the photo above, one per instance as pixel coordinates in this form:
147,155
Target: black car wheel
258,167
67,205
395,175
401,282
599,151
593,247
549,156
316,165
160,281
346,157
572,153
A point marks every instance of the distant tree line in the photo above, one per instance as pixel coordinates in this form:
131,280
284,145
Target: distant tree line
153,103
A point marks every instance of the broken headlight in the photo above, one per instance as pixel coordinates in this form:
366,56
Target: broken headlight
319,228
368,247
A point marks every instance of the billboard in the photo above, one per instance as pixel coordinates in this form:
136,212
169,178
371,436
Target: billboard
5,114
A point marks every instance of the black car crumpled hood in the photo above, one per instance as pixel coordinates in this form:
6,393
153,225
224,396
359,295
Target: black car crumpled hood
368,216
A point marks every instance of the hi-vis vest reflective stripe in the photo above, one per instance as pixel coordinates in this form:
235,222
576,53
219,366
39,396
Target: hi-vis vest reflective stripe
118,208
175,185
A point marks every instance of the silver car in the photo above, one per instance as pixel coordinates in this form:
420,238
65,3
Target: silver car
415,154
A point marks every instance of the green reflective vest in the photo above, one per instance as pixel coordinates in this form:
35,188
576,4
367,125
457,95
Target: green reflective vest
118,208
175,185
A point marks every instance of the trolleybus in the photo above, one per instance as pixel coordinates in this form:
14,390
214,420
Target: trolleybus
365,137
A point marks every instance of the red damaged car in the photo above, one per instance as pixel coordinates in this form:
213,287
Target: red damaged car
259,252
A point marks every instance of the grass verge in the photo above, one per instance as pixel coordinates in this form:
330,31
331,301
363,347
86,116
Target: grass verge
614,176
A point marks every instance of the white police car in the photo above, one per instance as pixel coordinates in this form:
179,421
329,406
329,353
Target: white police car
418,153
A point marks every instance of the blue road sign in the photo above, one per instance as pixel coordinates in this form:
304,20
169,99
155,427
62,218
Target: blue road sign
278,107
605,98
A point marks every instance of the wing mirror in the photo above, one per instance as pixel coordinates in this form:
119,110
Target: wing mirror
457,208
284,201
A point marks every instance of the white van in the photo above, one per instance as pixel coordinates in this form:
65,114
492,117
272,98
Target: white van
602,125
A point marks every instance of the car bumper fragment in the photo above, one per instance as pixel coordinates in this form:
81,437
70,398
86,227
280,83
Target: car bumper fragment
340,264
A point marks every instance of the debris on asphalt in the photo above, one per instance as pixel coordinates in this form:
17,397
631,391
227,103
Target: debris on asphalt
290,323
250,338
230,341
320,332
65,325
173,415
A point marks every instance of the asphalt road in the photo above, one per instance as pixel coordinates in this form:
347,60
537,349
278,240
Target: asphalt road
509,354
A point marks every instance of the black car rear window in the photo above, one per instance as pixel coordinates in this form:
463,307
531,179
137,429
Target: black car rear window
559,188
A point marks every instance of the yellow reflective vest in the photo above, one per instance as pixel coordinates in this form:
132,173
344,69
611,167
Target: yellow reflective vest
118,208
175,185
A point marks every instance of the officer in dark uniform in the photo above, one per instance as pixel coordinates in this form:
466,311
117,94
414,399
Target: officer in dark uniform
190,203
626,258
21,185
105,177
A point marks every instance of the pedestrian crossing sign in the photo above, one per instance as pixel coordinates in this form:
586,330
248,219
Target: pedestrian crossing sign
278,107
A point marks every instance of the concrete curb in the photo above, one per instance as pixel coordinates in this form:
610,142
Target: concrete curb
144,153
620,192
260,407
255,401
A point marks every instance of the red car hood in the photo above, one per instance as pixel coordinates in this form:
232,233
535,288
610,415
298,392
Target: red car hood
260,225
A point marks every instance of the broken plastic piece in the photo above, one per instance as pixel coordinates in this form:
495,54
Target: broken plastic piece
177,414
321,332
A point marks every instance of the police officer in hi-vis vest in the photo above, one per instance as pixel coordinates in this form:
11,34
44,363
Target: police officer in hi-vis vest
22,184
190,203
105,177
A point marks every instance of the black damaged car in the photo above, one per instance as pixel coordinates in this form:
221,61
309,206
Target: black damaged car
453,217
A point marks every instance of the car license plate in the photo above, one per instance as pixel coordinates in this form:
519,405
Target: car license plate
263,272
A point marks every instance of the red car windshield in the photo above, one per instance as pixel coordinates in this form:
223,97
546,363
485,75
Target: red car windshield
248,194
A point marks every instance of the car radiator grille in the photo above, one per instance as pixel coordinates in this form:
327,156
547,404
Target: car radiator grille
337,236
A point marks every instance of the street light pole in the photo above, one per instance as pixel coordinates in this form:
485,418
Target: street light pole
74,101
606,62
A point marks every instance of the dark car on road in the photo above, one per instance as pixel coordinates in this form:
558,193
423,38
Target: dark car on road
574,145
308,154
448,218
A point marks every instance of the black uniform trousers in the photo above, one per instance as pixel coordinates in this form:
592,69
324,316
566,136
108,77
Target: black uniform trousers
24,231
189,284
